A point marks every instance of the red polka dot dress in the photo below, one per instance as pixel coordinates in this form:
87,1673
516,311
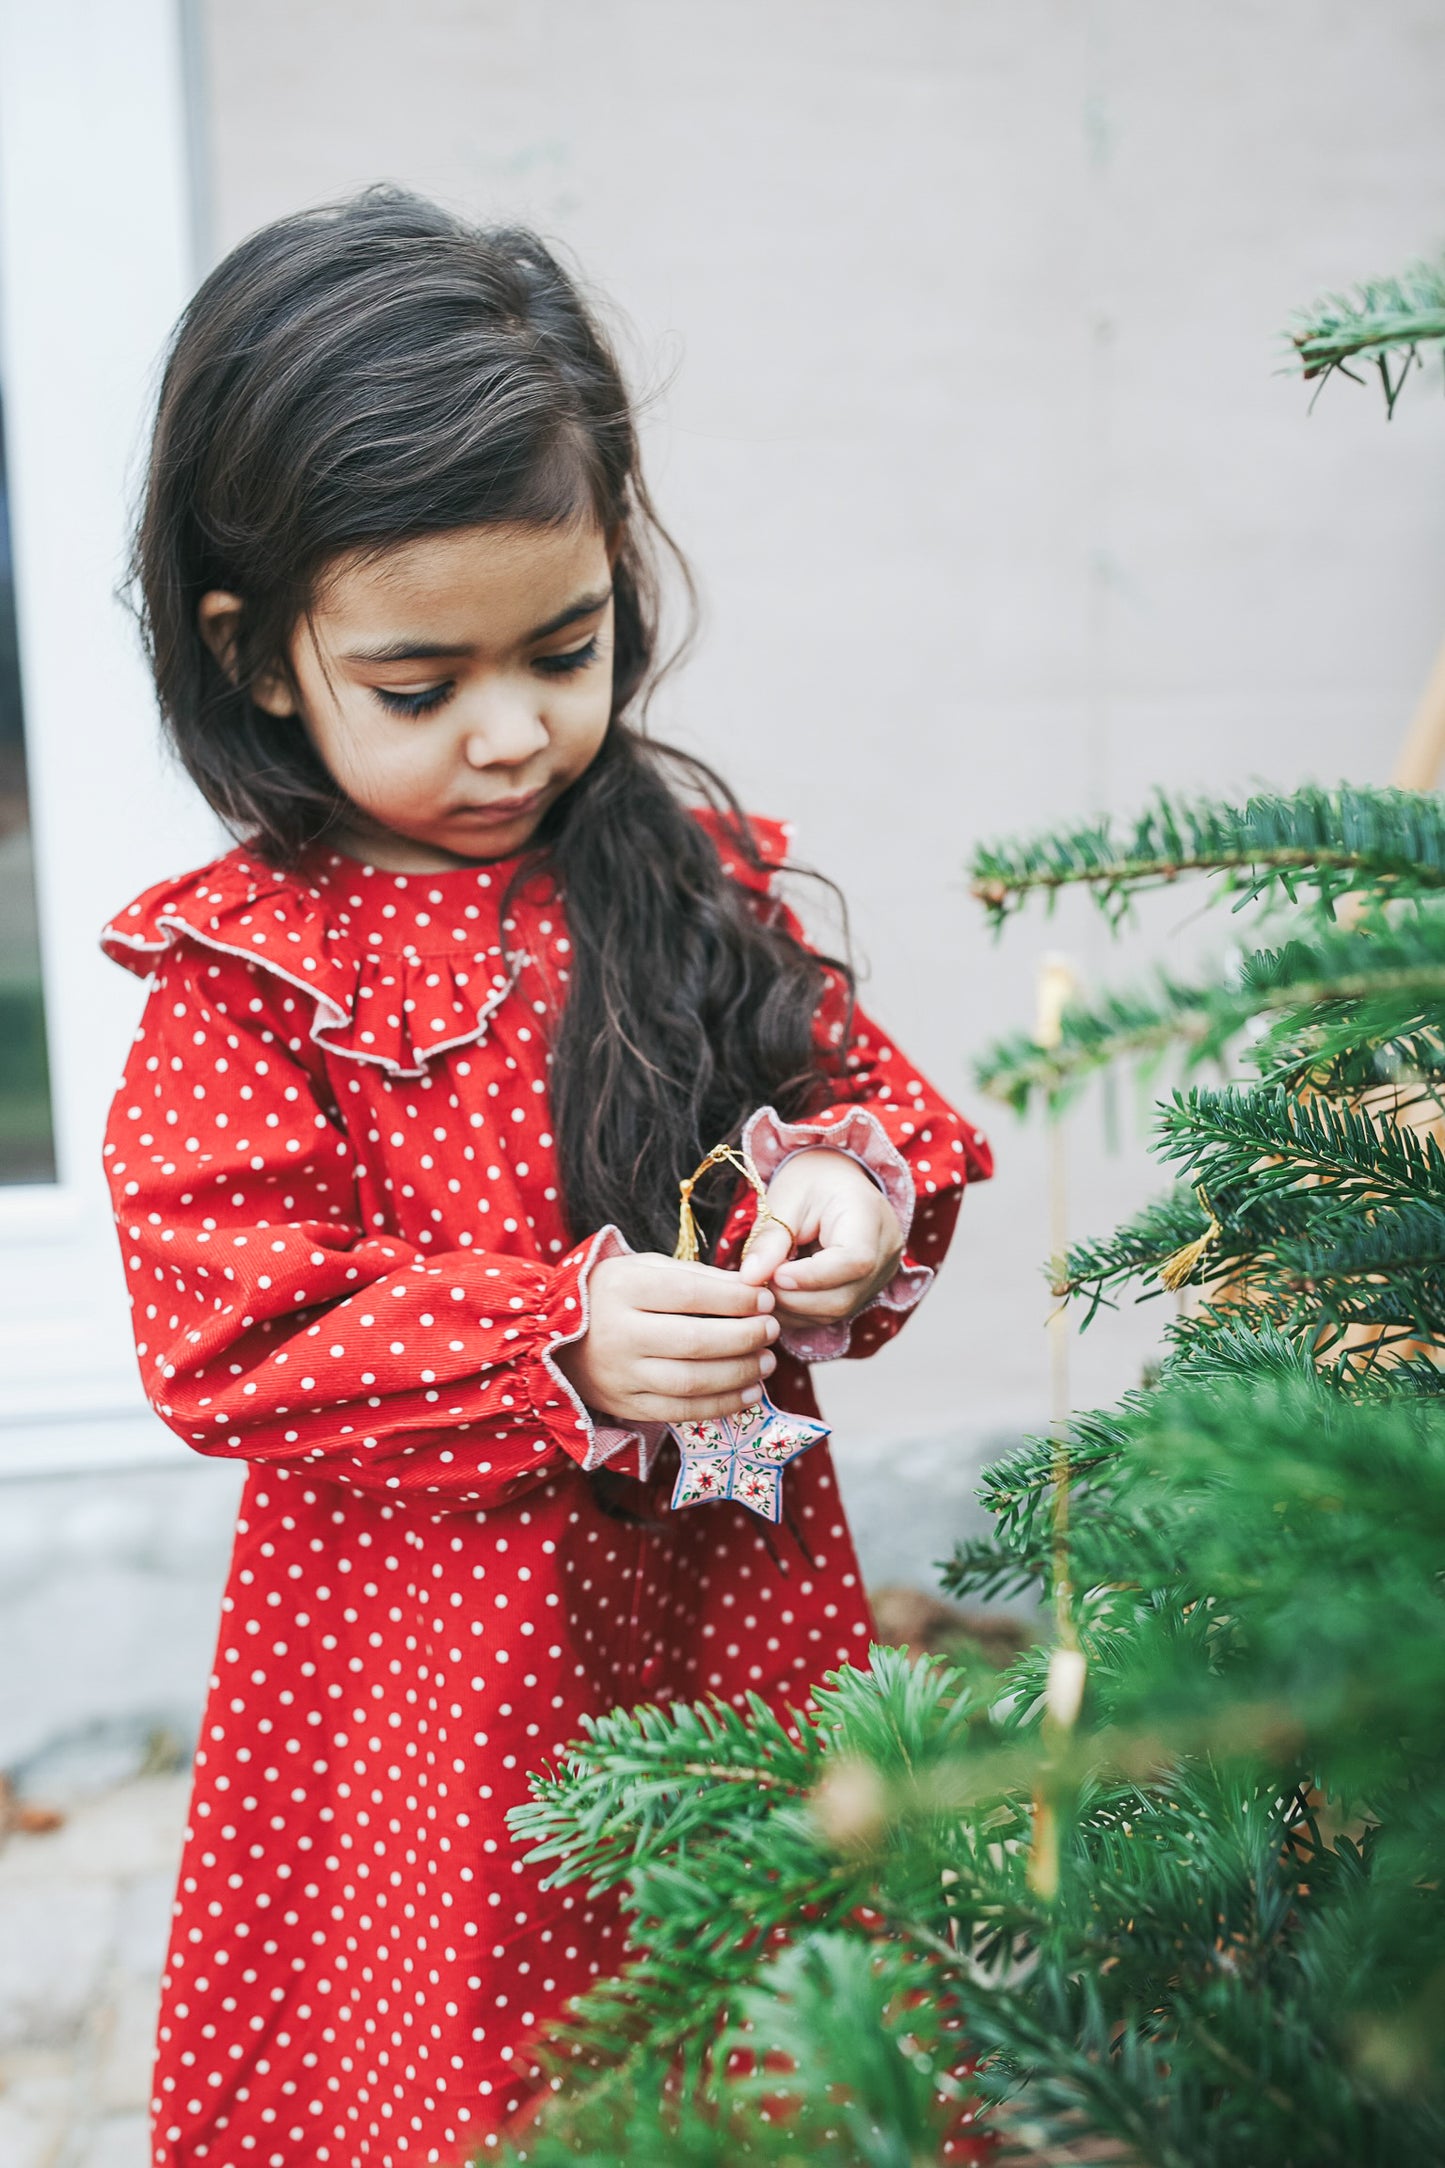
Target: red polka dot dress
337,1195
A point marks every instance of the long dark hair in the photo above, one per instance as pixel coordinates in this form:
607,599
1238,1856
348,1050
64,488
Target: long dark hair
357,376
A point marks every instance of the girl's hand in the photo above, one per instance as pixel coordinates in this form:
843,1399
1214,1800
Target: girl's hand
670,1343
838,1212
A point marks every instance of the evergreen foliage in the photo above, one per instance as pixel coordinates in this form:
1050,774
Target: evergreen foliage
1173,1890
1329,843
1380,320
1170,1892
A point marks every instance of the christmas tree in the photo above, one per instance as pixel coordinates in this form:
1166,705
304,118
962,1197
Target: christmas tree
1171,1889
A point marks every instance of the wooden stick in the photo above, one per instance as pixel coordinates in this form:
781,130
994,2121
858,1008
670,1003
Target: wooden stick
1418,763
1056,987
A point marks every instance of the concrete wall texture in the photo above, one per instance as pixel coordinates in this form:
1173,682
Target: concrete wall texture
962,320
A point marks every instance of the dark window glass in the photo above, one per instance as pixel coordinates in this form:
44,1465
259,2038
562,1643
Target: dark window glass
27,1143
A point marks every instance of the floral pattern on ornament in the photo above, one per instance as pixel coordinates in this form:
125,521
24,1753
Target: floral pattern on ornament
742,1457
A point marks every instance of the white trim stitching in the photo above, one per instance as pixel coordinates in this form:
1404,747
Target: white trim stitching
330,1015
594,1457
823,1343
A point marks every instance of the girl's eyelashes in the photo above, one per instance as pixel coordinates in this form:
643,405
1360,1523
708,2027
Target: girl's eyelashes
421,703
575,658
432,697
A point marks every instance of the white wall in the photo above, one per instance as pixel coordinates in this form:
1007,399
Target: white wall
94,247
967,315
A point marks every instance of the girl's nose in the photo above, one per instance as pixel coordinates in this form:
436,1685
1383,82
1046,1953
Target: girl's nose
508,733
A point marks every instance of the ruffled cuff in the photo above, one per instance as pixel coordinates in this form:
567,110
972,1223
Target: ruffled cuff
589,1439
769,1142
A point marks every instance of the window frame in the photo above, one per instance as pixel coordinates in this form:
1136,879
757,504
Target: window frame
92,276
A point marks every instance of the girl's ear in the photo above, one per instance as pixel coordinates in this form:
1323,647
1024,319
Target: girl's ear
218,615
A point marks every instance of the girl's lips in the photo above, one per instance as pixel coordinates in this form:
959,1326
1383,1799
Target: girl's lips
503,809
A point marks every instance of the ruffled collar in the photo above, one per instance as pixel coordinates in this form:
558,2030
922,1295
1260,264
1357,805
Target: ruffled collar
401,967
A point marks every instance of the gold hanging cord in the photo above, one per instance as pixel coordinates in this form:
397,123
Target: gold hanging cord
687,1248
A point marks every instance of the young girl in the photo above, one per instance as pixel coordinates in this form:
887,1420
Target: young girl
396,1161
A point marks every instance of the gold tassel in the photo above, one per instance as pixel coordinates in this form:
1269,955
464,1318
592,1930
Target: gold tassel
1176,1271
686,1252
687,1244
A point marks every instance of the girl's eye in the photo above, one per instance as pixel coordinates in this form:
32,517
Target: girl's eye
576,658
420,703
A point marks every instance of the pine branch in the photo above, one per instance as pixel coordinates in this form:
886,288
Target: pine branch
865,2045
1261,1537
1177,1242
1018,1492
1270,1143
1018,1489
642,1778
1241,1346
1371,1048
1393,1241
1382,317
1378,986
1331,842
1359,1007
1142,1026
1168,1876
1135,1251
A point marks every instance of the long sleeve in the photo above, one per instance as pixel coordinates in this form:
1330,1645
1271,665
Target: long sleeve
920,1151
882,1111
271,1325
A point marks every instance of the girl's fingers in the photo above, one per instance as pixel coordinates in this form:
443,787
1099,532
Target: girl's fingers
766,1248
831,1268
832,1307
690,1382
662,1283
705,1339
663,1408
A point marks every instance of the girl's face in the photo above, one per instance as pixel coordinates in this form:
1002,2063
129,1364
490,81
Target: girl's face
454,686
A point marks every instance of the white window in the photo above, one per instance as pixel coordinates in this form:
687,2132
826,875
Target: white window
27,1129
95,262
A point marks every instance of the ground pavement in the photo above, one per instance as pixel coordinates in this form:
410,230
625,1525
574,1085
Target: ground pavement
84,1909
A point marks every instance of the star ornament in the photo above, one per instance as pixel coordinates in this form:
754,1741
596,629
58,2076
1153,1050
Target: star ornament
742,1456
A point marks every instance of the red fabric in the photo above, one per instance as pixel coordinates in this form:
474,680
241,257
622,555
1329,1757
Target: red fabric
337,1198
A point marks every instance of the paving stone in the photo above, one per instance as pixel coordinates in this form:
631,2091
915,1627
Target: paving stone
55,1943
109,1591
36,2100
89,1759
123,1835
120,2141
144,1926
125,2047
136,1831
26,2142
84,1916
